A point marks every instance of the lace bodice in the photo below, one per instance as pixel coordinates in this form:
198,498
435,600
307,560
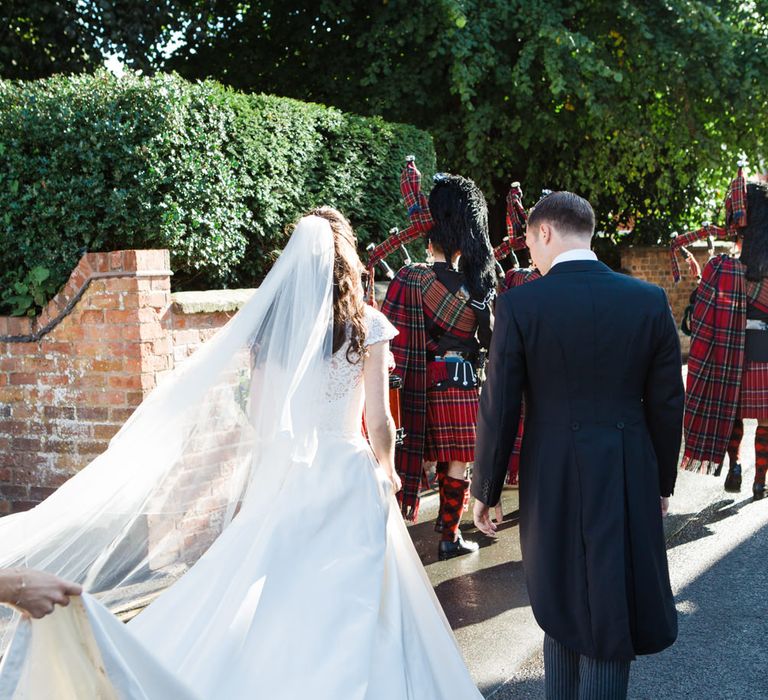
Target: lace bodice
344,391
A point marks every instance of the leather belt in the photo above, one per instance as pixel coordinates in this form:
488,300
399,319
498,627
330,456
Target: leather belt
453,356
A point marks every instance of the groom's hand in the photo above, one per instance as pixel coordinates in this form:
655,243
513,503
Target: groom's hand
481,514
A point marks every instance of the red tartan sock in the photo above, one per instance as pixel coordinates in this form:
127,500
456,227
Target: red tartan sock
440,470
452,497
761,454
735,443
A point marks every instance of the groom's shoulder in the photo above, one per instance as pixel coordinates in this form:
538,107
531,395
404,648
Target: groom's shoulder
646,299
635,286
523,295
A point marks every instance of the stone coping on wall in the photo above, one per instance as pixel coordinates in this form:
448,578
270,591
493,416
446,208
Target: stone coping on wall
720,246
210,301
228,300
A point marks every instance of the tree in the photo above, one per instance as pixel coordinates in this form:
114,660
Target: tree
641,107
40,38
45,37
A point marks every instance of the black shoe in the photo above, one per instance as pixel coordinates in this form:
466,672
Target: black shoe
733,480
448,550
758,491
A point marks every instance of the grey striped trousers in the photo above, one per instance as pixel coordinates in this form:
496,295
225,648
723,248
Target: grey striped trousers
570,676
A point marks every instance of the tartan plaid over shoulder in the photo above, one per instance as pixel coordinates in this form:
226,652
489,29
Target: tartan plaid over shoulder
414,295
517,278
715,363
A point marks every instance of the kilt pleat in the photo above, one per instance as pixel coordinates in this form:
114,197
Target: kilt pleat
451,424
753,397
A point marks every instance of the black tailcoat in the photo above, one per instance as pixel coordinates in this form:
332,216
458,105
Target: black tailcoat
598,357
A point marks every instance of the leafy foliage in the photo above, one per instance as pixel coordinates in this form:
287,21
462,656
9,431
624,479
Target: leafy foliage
641,107
97,163
41,38
29,292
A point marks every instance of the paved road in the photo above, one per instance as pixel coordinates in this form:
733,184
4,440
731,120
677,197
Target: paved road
718,554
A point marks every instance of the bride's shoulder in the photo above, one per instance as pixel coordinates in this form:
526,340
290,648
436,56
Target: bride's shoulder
377,326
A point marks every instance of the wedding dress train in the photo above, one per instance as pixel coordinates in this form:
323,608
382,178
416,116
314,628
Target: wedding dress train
312,589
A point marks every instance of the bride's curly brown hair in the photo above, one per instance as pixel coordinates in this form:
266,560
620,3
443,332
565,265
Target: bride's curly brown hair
348,304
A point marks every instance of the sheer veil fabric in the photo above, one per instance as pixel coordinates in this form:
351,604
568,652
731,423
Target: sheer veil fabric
239,411
304,579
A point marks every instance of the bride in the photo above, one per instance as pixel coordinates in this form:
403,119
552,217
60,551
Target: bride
242,499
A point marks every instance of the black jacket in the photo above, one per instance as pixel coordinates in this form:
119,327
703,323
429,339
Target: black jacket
598,357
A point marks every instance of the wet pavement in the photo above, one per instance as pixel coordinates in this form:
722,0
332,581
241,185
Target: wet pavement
483,594
709,535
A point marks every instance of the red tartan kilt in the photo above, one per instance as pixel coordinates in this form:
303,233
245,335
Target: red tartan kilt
451,425
753,399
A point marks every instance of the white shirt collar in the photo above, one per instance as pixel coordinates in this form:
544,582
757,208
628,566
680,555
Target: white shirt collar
572,255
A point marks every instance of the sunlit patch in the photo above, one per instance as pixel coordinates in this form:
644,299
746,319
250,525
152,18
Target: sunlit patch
687,607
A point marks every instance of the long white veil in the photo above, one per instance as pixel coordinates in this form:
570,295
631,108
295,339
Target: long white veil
214,438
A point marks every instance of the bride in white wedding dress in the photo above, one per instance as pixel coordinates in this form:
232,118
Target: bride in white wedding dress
312,587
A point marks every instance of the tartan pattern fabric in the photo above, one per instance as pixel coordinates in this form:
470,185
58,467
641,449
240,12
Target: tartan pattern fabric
502,250
391,244
451,424
414,295
403,307
715,363
734,443
691,237
735,218
516,216
753,398
515,220
451,314
452,498
757,295
516,278
440,471
761,454
736,203
415,200
418,213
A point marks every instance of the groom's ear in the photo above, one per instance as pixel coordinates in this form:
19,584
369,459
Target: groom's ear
545,232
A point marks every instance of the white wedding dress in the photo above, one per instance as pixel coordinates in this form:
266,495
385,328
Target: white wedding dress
326,598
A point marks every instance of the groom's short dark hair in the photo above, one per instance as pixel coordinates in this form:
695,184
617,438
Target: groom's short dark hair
566,211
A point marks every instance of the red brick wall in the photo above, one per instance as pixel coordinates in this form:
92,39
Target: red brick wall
653,265
70,377
190,330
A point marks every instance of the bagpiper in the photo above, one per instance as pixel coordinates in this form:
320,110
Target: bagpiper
443,312
728,363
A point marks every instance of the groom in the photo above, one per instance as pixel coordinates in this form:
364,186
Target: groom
597,356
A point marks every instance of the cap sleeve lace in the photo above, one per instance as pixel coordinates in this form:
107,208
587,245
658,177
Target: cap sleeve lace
378,328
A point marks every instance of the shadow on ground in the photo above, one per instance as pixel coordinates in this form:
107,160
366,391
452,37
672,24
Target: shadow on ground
481,595
694,526
720,651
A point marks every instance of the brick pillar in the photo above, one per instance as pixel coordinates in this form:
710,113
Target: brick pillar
70,377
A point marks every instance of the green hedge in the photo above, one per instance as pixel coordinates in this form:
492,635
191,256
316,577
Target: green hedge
100,163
